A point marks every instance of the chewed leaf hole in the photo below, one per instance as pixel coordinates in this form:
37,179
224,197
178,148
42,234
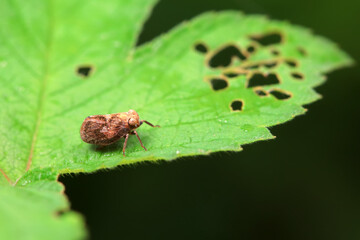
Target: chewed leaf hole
218,84
259,79
224,57
236,105
253,66
280,95
275,52
299,76
291,63
270,64
60,213
260,92
251,49
268,39
84,70
302,51
231,74
201,48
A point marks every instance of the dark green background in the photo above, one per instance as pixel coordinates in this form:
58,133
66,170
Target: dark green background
302,185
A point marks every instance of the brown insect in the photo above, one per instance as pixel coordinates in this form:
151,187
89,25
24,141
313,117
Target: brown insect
107,129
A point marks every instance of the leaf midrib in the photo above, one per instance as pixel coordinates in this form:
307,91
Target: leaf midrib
44,82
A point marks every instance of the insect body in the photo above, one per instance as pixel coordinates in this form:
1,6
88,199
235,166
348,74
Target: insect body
107,129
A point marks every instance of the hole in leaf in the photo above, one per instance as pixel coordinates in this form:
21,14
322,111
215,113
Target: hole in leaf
275,52
60,213
302,51
280,95
260,92
270,65
231,74
259,79
224,57
84,70
299,76
250,49
201,48
291,63
254,66
236,105
267,39
218,84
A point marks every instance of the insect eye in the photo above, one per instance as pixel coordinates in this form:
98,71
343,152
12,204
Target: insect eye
132,122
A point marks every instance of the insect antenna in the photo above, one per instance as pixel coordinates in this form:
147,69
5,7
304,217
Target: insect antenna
144,121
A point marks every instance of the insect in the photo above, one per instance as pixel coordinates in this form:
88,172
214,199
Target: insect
107,129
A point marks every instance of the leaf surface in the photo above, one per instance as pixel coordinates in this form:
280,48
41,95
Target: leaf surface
38,211
38,41
213,84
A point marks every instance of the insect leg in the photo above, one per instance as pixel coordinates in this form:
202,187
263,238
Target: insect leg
144,121
140,140
126,138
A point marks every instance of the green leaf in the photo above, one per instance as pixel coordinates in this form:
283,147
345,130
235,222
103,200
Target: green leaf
38,40
35,211
213,84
